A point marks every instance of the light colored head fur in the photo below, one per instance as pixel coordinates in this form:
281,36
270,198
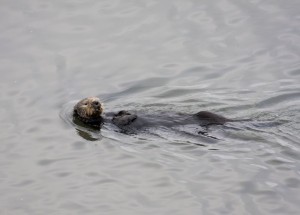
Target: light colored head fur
89,109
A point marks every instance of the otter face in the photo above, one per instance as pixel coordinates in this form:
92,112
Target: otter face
89,109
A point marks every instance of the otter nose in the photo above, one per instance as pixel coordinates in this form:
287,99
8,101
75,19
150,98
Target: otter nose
96,103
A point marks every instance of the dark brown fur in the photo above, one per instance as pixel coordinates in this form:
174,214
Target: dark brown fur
89,110
209,118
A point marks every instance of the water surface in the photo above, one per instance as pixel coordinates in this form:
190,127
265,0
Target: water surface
236,58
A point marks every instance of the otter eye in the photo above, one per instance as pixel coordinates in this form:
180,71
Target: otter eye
85,103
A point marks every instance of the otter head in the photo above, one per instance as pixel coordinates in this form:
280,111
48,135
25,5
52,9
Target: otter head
89,110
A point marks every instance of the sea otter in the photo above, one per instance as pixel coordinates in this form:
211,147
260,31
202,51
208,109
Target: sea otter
90,111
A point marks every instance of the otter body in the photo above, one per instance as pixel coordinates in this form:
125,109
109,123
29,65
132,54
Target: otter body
90,112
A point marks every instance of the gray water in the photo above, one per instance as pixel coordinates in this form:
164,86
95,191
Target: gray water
237,58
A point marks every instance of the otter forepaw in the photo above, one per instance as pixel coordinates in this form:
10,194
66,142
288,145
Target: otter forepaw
123,118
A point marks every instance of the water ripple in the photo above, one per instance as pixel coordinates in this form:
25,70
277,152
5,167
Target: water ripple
236,58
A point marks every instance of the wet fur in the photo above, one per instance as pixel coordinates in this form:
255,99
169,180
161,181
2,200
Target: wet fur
87,112
123,118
